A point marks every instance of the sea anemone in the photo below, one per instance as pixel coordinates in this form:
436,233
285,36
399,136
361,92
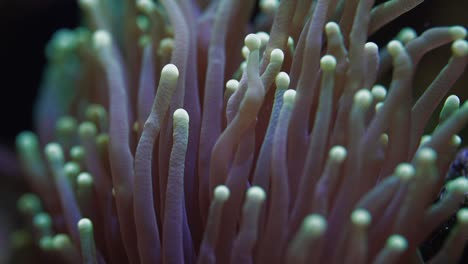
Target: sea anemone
162,137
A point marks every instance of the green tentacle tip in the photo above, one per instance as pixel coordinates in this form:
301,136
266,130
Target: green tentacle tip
84,179
46,243
85,226
61,241
29,204
42,220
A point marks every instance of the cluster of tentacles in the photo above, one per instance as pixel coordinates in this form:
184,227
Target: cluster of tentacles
166,133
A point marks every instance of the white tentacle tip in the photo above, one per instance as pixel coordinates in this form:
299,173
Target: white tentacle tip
397,243
102,39
395,47
256,193
328,63
361,217
460,48
338,153
181,114
170,72
282,80
314,225
222,193
85,224
405,171
252,42
289,96
277,56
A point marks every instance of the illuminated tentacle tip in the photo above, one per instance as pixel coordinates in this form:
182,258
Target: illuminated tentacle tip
455,141
378,106
264,38
42,220
71,168
181,118
406,35
88,246
458,185
102,141
256,193
451,104
458,32
384,139
85,225
282,80
102,39
289,97
87,4
143,24
397,243
371,47
166,45
66,125
29,204
462,216
460,48
361,217
26,140
332,28
87,129
146,6
290,41
232,85
395,47
379,92
252,42
277,56
61,241
77,153
328,63
314,225
46,243
170,72
426,156
84,179
405,171
54,152
338,153
221,193
424,140
363,98
269,6
95,111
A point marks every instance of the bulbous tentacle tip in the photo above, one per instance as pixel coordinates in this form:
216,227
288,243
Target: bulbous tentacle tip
338,153
458,32
256,193
328,63
170,72
397,243
252,42
102,39
282,80
222,193
361,217
314,225
460,48
405,171
277,56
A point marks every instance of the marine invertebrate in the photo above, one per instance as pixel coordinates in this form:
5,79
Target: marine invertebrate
257,172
